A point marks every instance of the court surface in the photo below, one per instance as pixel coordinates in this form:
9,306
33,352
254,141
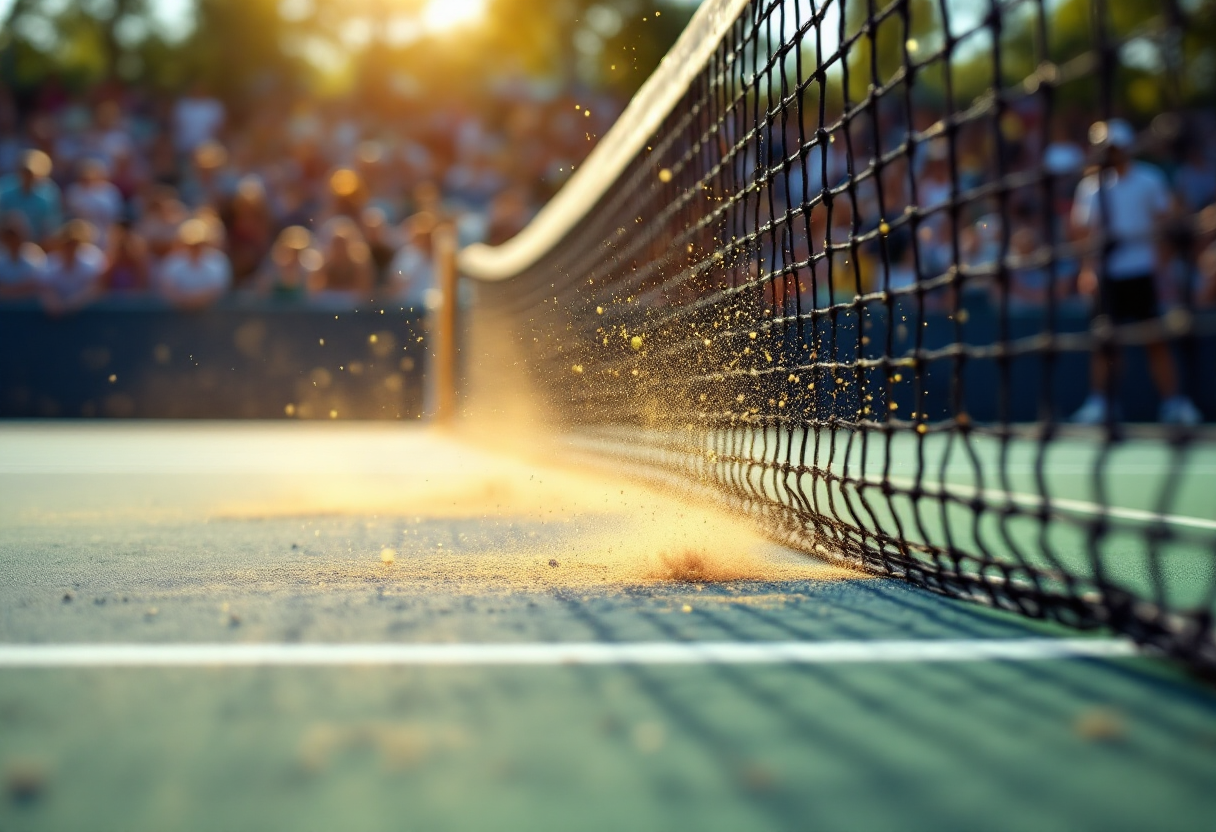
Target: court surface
338,626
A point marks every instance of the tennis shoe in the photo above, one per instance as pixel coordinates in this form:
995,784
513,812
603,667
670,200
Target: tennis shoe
1180,410
1095,411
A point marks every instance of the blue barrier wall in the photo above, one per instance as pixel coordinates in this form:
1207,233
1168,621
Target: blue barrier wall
138,359
264,361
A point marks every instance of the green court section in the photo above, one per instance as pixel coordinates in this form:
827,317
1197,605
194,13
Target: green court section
128,534
1136,486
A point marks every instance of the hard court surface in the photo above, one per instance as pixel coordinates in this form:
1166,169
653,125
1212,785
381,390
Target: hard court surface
559,678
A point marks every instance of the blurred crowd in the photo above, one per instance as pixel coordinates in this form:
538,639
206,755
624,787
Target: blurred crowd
124,193
127,193
996,206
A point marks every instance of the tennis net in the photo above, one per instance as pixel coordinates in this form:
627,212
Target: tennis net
854,267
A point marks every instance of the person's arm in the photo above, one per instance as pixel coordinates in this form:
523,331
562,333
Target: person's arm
1080,232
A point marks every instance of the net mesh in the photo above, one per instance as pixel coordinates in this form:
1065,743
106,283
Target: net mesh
846,288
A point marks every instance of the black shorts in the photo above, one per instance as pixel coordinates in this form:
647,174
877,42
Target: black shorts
1128,299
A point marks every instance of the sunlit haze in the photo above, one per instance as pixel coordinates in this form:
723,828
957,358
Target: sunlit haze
445,15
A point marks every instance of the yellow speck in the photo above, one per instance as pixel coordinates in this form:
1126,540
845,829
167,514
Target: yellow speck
912,45
290,410
578,368
371,339
921,429
599,310
321,341
884,229
707,342
686,608
636,342
113,378
387,555
897,377
751,335
665,175
893,406
333,414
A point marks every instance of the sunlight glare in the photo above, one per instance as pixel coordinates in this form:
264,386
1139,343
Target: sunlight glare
445,15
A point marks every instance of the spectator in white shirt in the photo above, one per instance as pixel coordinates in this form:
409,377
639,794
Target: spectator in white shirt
95,199
197,274
411,274
197,118
21,262
1121,207
73,272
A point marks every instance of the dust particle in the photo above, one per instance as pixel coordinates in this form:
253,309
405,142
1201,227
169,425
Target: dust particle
388,556
1100,725
694,566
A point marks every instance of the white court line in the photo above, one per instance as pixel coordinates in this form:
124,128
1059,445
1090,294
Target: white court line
1035,501
590,653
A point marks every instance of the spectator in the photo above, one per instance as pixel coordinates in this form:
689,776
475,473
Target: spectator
197,274
73,272
381,240
1195,178
347,267
108,140
31,193
1121,206
208,182
293,268
248,229
128,269
411,274
161,220
95,199
197,119
21,262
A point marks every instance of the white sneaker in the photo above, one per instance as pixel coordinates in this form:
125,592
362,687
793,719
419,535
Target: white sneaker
1180,410
1095,411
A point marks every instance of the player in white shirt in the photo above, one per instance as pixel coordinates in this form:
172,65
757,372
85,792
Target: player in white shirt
1124,203
197,274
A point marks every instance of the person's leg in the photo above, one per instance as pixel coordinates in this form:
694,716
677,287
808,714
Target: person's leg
1161,368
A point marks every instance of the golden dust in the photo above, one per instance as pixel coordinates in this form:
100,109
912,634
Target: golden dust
388,556
636,342
578,369
599,310
884,229
665,175
290,409
333,414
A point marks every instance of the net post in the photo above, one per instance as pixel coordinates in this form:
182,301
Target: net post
445,324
